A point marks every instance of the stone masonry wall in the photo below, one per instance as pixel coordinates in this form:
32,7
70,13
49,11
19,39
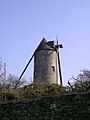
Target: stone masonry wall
61,107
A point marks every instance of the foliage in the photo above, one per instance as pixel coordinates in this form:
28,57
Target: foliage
35,90
9,96
81,82
42,89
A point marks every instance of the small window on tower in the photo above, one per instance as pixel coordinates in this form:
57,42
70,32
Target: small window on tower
53,67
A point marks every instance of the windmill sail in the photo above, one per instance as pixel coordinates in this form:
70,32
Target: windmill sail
59,66
45,62
43,41
24,70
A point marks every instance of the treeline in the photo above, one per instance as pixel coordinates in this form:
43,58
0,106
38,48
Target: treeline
32,90
80,84
25,90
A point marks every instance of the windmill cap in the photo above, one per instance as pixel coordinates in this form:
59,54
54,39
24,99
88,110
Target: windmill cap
44,44
51,43
48,45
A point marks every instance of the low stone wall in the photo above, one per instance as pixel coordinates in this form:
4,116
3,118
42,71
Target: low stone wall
61,107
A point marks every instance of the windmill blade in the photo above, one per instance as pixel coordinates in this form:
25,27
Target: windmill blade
57,39
59,66
41,43
24,69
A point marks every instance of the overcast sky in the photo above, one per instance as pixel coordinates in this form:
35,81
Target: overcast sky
23,24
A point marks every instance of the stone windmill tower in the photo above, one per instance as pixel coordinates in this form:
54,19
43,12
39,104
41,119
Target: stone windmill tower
46,62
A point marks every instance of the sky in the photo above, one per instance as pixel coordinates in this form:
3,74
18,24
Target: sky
24,23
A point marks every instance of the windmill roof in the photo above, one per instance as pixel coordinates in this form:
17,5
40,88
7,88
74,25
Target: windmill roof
45,45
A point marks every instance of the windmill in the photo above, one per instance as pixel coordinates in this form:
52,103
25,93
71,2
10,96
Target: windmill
46,56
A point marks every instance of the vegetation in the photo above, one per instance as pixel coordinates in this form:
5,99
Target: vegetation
9,92
33,90
81,82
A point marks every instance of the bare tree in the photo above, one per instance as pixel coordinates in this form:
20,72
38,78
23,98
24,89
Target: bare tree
81,82
12,81
1,73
